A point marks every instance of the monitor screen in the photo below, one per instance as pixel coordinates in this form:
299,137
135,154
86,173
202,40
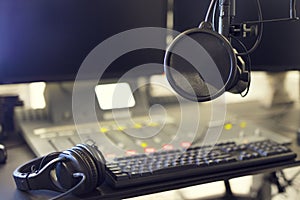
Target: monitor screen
47,40
280,46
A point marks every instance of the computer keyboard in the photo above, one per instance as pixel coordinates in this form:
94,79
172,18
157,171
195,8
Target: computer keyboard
194,161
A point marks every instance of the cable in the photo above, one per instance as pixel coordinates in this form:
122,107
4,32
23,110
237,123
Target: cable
210,17
259,37
213,20
75,175
293,11
210,11
260,21
293,16
248,66
41,164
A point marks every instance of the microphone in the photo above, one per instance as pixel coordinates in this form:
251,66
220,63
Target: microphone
227,13
200,64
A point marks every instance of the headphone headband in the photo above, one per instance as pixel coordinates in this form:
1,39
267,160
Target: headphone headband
28,178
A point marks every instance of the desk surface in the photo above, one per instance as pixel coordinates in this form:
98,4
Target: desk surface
19,154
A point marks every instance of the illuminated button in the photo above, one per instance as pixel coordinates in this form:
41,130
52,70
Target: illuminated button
243,124
137,125
185,144
121,128
228,126
144,144
149,150
103,130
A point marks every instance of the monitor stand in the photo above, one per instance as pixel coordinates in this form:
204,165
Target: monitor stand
58,98
279,95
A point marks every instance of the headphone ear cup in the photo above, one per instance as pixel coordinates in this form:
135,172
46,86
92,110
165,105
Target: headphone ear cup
98,159
79,160
65,170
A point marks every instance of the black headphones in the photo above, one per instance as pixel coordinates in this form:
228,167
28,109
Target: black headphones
78,170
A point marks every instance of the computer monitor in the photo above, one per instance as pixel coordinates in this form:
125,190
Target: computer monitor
279,48
48,40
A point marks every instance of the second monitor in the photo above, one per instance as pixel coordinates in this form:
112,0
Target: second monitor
279,47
